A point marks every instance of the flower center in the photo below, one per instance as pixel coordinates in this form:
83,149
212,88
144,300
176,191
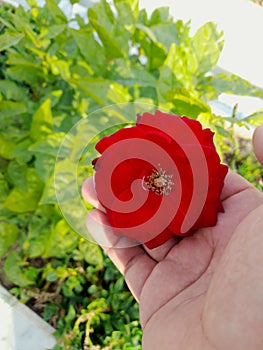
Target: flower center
159,182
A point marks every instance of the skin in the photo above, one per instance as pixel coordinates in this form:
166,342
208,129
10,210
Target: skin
205,291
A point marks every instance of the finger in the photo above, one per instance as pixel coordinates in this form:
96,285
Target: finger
89,193
159,253
258,143
132,261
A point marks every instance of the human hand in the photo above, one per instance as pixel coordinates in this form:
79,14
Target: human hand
204,291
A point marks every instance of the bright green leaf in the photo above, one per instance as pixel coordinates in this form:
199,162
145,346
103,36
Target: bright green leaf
39,231
12,91
173,74
22,24
61,240
103,91
25,201
125,74
189,106
13,268
233,84
111,46
91,50
255,119
49,146
6,147
52,31
160,15
10,108
42,121
8,236
44,165
21,152
207,45
128,11
56,13
167,34
101,12
118,93
18,174
49,194
24,70
8,40
91,252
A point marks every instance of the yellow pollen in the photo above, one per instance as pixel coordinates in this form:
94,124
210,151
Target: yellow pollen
159,182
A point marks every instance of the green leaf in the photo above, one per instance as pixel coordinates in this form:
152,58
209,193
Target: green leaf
49,193
24,70
21,152
160,15
150,47
12,91
233,84
49,146
96,89
207,45
55,97
70,315
61,240
118,93
10,108
8,40
56,13
113,31
4,189
8,236
167,34
6,21
255,119
20,201
128,12
125,74
42,121
18,174
103,91
44,165
91,50
39,231
174,73
53,31
91,253
37,239
188,105
111,46
13,269
6,147
101,12
49,235
22,24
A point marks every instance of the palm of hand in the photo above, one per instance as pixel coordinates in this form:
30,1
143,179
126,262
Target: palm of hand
204,292
194,280
185,288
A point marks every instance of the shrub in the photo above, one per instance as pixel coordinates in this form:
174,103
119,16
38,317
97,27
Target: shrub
55,72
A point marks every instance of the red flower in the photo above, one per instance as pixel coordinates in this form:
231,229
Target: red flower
160,178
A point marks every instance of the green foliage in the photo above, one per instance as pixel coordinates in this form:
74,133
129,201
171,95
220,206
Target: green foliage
51,77
250,168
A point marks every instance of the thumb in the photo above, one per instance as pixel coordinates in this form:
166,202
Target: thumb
258,143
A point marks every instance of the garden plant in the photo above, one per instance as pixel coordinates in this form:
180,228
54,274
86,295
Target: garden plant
56,71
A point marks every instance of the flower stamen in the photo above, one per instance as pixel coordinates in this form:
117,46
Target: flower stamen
159,182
